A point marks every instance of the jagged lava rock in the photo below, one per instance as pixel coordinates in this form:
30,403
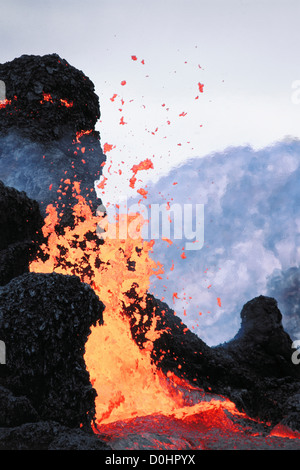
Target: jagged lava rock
263,373
20,232
15,410
45,320
261,340
69,103
48,435
47,130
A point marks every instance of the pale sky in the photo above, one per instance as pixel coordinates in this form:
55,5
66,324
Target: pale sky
244,52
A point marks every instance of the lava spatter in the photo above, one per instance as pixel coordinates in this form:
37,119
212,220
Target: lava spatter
117,366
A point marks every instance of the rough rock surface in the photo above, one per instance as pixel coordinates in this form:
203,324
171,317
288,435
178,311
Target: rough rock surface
15,410
48,435
45,320
20,232
262,353
47,130
28,79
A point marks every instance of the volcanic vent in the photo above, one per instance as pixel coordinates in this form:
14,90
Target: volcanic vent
87,346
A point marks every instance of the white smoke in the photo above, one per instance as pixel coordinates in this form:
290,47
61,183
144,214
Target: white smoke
252,221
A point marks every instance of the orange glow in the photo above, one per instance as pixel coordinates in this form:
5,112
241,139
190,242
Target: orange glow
4,103
79,134
67,103
144,165
113,97
102,183
107,147
218,419
280,430
142,192
46,97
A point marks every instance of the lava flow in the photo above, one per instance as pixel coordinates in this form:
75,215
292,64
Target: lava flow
130,389
123,375
126,380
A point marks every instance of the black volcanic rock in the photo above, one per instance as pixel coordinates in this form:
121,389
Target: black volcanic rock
48,139
15,410
48,97
262,356
48,435
45,320
20,232
262,341
177,348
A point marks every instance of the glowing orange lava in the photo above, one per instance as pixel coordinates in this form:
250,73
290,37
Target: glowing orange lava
79,134
68,104
4,103
123,375
281,430
144,165
46,97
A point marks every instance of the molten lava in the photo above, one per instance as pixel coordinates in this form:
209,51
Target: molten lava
144,165
48,98
81,133
4,103
123,375
68,104
128,384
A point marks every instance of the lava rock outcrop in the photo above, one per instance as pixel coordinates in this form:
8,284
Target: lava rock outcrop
48,98
48,139
45,320
48,435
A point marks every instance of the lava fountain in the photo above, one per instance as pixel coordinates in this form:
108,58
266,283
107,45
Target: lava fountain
126,380
129,386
